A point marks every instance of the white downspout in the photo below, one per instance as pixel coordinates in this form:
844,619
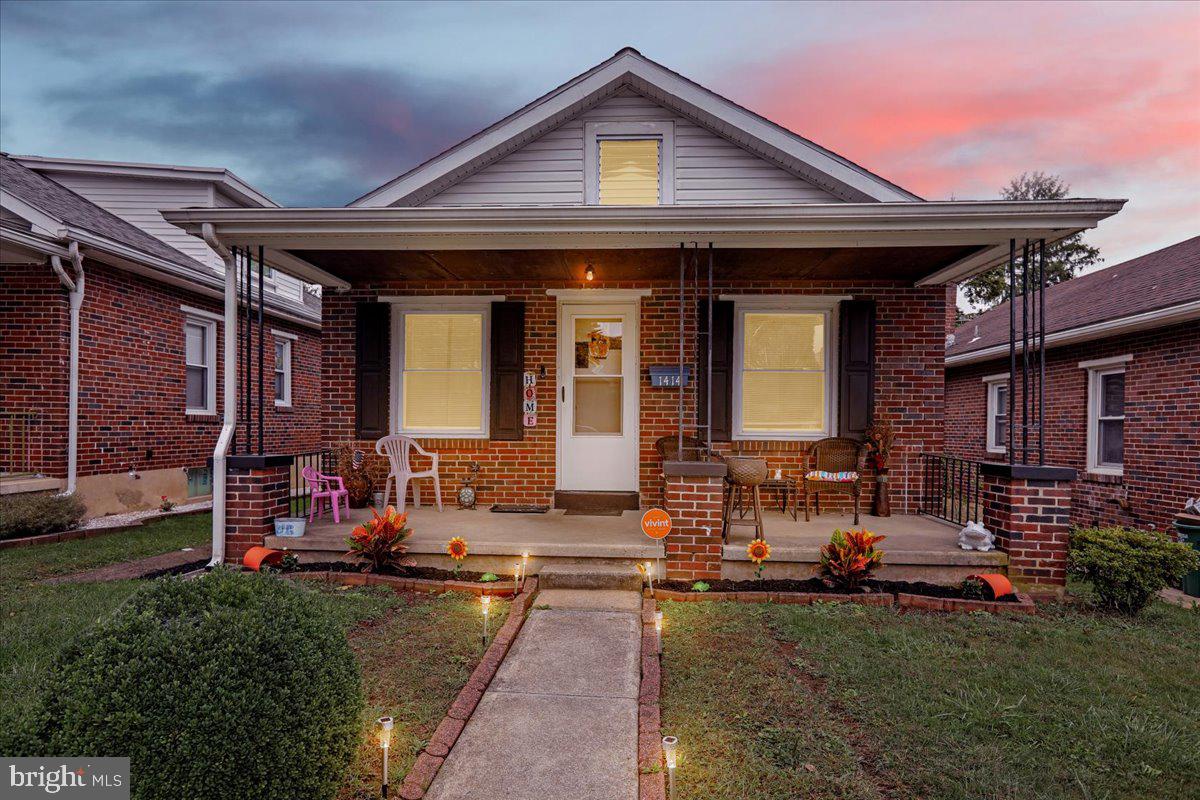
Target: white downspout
229,424
75,289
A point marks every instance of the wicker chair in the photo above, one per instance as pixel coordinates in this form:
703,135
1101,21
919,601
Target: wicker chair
668,448
835,464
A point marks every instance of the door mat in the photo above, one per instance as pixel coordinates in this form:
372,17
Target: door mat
507,508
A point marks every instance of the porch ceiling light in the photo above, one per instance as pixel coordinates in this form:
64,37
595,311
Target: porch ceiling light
589,273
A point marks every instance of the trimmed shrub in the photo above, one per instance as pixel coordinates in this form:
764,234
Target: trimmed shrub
1127,567
233,685
34,514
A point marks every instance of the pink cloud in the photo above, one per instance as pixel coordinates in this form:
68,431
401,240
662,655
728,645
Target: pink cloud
960,104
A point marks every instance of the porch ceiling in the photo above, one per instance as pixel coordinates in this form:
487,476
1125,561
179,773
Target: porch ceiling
905,264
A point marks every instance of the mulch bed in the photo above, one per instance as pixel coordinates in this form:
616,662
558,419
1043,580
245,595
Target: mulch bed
425,573
817,586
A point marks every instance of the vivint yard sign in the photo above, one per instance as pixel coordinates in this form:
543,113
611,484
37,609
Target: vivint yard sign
92,778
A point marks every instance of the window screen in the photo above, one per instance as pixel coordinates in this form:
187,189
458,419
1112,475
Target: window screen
442,384
783,373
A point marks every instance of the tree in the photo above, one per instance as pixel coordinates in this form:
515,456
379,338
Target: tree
1064,259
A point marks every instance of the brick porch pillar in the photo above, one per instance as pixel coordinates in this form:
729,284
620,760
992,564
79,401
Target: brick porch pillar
1029,510
692,496
256,492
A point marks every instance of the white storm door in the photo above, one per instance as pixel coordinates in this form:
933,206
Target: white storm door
598,397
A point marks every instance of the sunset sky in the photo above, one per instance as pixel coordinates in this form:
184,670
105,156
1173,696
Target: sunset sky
316,103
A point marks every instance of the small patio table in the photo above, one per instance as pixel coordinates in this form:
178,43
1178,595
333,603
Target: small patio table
786,489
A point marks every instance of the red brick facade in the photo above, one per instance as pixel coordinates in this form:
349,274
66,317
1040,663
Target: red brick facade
693,546
1031,520
131,373
910,337
1162,418
253,499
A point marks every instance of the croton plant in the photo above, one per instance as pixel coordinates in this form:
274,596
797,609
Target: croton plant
850,558
380,542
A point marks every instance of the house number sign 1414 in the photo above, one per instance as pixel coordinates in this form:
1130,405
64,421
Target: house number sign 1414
529,400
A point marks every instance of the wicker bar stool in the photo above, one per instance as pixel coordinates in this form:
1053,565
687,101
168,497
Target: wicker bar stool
745,473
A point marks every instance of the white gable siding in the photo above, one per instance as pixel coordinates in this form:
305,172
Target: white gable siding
137,201
708,168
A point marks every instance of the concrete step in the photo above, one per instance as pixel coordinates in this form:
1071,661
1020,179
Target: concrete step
571,576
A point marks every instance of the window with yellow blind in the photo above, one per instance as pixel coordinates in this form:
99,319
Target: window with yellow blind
629,172
782,374
442,372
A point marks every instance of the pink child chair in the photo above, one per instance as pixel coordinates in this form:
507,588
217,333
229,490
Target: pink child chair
322,488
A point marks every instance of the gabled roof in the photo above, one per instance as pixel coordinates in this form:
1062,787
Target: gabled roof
1142,290
224,180
64,205
628,67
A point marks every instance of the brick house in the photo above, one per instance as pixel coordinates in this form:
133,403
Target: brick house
149,329
523,302
1122,387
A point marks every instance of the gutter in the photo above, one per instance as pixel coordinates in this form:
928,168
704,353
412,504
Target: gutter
229,422
75,293
1158,318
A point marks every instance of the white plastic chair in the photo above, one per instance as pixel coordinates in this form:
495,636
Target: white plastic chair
397,449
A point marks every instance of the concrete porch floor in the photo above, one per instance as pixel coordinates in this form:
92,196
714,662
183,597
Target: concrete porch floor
917,548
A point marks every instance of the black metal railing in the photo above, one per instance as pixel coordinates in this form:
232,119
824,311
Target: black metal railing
301,494
951,488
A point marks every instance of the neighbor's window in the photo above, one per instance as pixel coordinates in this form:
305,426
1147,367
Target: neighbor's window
1106,419
283,372
997,416
200,344
629,172
442,372
782,374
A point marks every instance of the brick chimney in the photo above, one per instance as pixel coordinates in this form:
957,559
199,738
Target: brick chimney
951,308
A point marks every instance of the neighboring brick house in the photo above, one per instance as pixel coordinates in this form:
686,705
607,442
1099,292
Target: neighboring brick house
544,256
1122,387
150,333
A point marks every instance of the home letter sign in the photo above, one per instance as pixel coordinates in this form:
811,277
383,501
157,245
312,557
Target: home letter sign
529,404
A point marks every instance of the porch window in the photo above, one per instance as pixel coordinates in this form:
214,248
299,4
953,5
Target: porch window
629,172
200,344
1106,415
283,369
782,374
997,413
443,366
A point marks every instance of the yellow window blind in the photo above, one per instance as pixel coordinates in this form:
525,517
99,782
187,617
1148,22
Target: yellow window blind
442,385
629,172
783,373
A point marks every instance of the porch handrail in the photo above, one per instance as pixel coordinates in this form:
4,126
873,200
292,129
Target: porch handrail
951,488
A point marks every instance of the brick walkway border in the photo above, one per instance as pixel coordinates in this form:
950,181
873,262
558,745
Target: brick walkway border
1024,604
651,779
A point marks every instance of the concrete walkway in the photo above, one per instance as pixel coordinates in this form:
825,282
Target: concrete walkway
559,720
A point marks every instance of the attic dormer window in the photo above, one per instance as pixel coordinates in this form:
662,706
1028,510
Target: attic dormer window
629,172
629,163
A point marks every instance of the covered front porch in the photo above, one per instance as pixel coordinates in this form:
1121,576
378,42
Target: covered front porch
918,547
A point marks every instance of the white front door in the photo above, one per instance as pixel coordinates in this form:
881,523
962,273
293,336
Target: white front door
598,397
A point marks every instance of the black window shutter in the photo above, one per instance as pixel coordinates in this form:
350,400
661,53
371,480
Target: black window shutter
856,387
372,325
722,369
508,368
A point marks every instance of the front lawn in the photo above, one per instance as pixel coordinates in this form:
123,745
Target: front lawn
37,619
848,701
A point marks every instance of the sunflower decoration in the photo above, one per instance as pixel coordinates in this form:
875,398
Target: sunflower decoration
457,549
759,551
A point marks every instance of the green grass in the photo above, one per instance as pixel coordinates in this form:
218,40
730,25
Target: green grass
414,657
37,619
834,701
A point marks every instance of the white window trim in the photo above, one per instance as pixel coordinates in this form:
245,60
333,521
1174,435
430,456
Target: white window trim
284,334
992,384
663,130
798,304
286,340
200,313
1097,369
436,305
208,323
